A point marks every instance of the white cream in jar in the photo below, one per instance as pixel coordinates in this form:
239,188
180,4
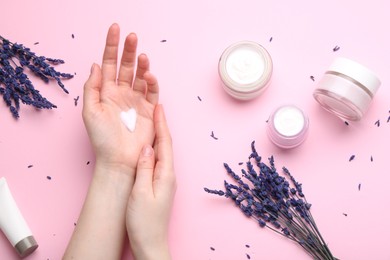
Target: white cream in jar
288,126
245,69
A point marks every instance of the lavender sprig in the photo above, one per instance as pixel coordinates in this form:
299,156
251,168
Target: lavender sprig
15,85
275,202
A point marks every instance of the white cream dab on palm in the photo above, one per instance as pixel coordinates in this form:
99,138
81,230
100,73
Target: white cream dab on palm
129,119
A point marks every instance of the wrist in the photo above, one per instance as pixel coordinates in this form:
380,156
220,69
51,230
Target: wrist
113,168
114,177
151,252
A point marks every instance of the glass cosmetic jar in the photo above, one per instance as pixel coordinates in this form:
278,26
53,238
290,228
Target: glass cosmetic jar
287,126
346,89
245,69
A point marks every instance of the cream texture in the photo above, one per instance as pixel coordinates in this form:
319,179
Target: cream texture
289,121
129,119
245,65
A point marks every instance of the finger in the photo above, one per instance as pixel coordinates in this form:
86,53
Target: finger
142,67
145,169
163,136
164,178
126,71
152,92
92,88
110,55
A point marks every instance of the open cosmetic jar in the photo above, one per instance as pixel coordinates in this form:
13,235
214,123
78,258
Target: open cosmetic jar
245,69
347,89
287,126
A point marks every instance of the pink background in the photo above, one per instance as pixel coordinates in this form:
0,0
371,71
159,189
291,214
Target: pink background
303,33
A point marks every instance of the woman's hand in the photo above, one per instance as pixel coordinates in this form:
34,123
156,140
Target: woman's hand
151,199
107,92
101,227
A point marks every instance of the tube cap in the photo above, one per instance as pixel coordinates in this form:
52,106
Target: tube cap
26,246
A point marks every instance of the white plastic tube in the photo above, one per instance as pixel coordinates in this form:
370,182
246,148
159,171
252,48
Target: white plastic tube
13,224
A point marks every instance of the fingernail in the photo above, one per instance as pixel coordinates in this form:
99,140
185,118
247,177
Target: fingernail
147,151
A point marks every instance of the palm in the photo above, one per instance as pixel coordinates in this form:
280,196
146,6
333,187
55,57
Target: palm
122,145
107,96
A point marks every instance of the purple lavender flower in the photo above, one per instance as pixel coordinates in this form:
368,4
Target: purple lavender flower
15,86
276,202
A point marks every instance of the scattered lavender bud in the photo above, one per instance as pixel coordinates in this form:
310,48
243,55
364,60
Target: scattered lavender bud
336,48
217,192
372,159
312,78
240,163
345,214
212,248
270,39
352,157
199,98
346,123
247,246
88,162
248,256
30,166
359,186
388,119
213,136
36,43
377,123
72,36
163,41
76,101
48,177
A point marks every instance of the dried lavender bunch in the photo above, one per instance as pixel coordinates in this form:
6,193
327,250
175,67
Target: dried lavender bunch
275,202
15,86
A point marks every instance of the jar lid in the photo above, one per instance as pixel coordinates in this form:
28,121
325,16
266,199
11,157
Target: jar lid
356,72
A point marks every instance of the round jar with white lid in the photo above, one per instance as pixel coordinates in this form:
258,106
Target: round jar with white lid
245,69
347,89
288,126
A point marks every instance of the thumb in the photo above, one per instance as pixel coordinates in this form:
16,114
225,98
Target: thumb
92,87
145,169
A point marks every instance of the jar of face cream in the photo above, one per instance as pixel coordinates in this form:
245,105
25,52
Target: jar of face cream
287,126
346,89
245,69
